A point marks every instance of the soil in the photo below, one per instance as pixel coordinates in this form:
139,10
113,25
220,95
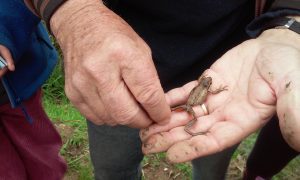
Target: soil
159,169
155,168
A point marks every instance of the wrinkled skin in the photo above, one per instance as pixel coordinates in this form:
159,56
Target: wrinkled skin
262,76
109,72
111,79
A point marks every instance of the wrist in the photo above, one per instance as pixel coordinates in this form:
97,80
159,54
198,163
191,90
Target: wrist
72,14
283,34
297,18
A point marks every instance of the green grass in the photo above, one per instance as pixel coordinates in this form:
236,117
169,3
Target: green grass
75,147
63,114
185,168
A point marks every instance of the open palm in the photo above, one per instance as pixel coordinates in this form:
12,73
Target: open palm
262,77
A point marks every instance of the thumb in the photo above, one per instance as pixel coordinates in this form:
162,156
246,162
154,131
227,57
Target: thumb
288,105
6,55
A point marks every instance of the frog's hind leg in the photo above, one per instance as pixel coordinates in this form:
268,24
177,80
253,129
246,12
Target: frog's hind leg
187,129
190,110
191,123
184,107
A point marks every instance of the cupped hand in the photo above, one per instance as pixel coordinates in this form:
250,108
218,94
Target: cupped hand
6,55
262,76
109,72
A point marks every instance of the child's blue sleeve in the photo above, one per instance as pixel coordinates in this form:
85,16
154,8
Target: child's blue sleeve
17,23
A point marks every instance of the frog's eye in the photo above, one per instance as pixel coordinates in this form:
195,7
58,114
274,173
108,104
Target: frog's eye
207,83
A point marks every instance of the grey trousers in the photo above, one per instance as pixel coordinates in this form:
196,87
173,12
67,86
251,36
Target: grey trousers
116,155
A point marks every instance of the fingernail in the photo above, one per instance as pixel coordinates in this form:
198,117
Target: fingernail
144,132
150,143
147,146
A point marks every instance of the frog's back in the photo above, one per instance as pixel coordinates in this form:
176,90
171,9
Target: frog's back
197,96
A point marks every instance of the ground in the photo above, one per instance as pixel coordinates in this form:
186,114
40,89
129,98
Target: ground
155,167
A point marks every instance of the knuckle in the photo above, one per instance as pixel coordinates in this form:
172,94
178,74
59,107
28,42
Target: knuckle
97,122
105,83
125,116
119,50
149,96
122,48
88,66
101,76
70,94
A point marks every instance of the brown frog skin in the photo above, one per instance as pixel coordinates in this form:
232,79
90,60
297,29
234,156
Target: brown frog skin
196,97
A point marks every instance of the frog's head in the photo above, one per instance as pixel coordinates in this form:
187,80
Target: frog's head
207,81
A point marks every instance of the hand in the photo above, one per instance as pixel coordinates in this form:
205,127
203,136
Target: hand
262,76
5,53
109,71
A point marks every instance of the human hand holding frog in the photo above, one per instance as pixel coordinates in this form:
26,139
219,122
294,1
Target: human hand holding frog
262,77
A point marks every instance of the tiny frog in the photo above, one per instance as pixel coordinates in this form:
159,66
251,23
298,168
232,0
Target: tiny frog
197,97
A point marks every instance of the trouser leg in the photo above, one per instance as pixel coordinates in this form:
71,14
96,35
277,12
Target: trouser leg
11,165
212,167
37,144
270,154
115,152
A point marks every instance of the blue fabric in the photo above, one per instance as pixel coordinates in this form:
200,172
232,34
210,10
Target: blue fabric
28,41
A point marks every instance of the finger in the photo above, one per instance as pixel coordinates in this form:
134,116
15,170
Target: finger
125,110
143,82
178,118
5,53
180,95
162,141
95,105
78,101
220,137
3,71
288,104
88,114
120,103
92,100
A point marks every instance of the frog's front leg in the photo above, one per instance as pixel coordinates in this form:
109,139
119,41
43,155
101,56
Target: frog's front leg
220,89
